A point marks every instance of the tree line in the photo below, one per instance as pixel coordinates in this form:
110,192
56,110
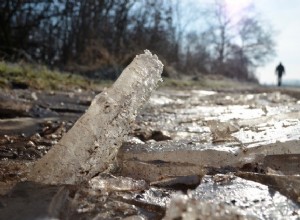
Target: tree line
100,37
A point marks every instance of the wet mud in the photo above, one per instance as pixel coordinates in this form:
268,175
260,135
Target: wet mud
191,154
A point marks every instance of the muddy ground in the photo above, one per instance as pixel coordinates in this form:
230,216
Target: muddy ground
227,154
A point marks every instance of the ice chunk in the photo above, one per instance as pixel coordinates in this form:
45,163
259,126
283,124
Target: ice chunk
183,207
221,132
28,200
249,196
288,185
117,184
151,161
287,164
92,143
141,161
181,182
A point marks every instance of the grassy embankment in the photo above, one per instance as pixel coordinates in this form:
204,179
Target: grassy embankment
41,78
206,82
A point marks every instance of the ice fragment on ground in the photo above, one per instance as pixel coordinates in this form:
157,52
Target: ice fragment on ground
182,182
185,208
120,183
288,185
259,200
92,143
28,200
288,164
264,133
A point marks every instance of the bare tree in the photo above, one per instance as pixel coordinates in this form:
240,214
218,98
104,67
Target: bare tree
18,21
244,39
101,36
256,40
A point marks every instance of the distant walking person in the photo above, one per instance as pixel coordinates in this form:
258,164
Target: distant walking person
279,71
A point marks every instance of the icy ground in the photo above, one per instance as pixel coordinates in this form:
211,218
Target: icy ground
191,153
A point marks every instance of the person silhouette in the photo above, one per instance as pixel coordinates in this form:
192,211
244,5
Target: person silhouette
279,71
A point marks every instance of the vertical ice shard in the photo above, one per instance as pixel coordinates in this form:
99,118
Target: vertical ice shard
92,143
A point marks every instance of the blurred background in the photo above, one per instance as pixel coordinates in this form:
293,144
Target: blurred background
194,39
